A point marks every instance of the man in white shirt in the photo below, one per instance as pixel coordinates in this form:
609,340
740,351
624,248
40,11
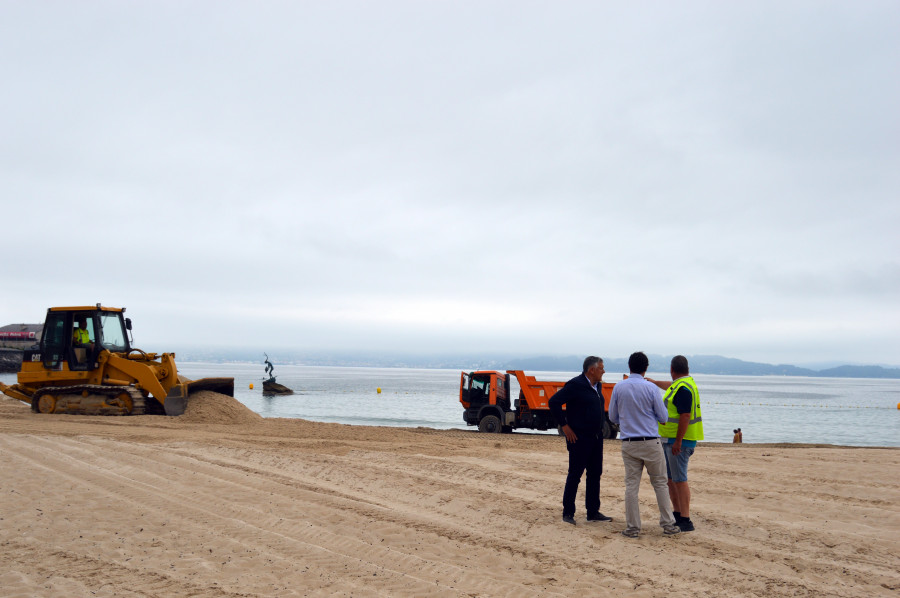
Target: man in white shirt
637,407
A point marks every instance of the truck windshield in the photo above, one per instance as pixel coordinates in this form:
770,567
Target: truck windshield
112,332
482,385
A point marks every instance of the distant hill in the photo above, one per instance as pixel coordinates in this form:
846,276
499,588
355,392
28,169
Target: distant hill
860,371
709,364
700,364
10,360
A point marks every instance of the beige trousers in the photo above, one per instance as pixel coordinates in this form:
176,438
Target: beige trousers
637,456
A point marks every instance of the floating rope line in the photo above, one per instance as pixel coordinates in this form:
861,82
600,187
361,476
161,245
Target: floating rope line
749,403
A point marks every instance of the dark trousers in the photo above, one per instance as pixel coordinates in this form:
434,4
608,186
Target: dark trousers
586,454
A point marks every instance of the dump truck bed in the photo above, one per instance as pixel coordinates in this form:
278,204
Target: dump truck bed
537,393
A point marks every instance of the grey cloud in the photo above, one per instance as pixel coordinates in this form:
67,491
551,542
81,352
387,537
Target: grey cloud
706,177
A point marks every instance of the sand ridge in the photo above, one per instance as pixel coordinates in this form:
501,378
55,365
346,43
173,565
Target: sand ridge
222,502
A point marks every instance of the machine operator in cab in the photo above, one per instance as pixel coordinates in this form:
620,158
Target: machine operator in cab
81,340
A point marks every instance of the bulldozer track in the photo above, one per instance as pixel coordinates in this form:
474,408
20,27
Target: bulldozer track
91,399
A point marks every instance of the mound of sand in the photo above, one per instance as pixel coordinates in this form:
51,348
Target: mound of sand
211,407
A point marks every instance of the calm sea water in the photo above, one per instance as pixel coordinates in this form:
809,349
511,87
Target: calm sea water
845,411
858,412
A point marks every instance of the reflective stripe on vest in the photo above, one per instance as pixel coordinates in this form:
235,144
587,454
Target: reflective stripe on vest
82,337
695,423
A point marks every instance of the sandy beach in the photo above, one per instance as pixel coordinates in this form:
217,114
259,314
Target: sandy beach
221,502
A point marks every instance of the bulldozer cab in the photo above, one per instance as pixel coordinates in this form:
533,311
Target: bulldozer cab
106,329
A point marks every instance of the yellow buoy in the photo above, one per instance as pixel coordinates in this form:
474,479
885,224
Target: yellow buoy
251,386
898,405
378,390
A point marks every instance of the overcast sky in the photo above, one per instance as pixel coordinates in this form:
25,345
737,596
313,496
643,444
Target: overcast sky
470,176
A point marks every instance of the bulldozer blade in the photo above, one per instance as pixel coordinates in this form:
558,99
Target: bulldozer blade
176,400
223,386
14,391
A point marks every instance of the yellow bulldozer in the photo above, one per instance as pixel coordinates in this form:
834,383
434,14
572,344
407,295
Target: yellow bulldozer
85,364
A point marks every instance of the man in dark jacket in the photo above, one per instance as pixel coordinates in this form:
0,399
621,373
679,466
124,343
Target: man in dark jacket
582,424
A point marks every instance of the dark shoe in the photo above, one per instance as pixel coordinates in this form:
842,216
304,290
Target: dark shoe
631,532
678,517
685,525
598,517
569,519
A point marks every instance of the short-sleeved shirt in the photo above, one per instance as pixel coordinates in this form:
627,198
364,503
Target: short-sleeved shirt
683,402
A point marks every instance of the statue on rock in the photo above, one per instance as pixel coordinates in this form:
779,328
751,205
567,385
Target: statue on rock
270,387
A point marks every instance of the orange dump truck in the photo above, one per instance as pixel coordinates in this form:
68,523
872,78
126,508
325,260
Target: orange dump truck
485,396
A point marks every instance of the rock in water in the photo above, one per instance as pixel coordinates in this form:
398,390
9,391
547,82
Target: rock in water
272,387
10,361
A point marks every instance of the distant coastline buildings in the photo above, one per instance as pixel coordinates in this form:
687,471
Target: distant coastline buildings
20,336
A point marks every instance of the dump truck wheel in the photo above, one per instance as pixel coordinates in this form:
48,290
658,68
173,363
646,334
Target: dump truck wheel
490,424
610,431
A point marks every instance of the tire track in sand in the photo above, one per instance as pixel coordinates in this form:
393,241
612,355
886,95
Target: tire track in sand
279,538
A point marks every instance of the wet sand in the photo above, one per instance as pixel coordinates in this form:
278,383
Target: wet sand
221,502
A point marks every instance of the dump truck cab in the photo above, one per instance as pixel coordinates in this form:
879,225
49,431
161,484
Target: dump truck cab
485,397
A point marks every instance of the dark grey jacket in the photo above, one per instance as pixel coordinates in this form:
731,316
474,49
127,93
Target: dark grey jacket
584,406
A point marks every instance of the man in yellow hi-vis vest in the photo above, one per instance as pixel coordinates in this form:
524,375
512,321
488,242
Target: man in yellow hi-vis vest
81,337
681,432
81,340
